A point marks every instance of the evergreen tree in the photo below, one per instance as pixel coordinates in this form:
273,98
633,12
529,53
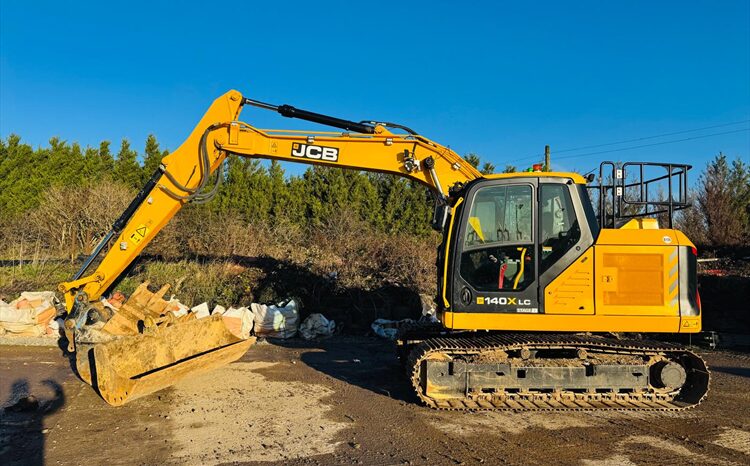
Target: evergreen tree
106,160
388,203
326,193
22,176
473,159
739,186
279,191
246,190
151,157
127,169
407,208
363,197
74,169
92,168
296,209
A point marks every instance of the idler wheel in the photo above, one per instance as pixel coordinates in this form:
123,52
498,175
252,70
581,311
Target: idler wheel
668,374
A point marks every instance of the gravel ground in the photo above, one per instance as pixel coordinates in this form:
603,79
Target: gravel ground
343,401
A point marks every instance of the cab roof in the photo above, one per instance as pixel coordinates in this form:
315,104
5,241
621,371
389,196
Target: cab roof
578,179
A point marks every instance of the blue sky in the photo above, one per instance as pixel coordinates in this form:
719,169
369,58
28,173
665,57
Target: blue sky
500,79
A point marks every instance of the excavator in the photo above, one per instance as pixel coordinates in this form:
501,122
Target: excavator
546,299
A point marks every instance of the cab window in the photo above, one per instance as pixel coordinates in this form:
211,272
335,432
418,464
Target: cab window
558,226
498,246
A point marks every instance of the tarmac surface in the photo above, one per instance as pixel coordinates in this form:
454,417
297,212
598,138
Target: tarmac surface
343,400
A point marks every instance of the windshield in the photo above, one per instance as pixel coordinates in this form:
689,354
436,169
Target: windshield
500,214
498,246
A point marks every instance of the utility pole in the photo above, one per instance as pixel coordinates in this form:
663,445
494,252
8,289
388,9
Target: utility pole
546,158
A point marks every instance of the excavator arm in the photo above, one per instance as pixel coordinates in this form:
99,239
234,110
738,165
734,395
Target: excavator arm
184,176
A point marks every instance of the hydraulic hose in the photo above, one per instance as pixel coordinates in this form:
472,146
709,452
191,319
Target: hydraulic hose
198,194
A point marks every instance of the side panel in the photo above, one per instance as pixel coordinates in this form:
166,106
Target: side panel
636,280
572,292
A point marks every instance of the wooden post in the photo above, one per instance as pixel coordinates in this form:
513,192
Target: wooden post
546,159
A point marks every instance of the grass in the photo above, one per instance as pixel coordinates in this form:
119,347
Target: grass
35,276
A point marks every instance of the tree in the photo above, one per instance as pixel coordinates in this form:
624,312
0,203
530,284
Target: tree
296,209
279,191
92,169
127,170
106,160
23,176
692,222
363,197
723,197
406,206
474,160
327,192
739,186
510,169
246,190
65,164
72,219
151,157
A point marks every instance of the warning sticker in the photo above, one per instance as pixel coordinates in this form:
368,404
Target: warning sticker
137,236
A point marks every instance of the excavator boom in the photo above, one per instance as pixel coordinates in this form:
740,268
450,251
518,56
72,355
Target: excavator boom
126,367
184,174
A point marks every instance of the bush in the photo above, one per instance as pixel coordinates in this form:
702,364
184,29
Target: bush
68,221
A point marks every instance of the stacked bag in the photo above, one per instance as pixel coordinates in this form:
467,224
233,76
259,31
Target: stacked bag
30,315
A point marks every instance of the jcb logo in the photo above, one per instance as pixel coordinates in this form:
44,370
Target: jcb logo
308,151
503,301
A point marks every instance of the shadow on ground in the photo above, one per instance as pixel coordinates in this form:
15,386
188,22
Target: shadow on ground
22,428
739,371
368,363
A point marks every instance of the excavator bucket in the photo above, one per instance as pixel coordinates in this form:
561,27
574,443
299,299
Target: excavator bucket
133,366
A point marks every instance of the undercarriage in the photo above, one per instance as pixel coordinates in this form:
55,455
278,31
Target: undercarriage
554,372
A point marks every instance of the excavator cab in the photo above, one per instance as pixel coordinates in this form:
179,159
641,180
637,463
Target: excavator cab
511,236
527,252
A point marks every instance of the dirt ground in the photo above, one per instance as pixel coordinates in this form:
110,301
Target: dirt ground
343,401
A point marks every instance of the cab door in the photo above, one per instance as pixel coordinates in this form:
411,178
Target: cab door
494,248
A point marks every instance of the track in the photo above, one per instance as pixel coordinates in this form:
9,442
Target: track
444,375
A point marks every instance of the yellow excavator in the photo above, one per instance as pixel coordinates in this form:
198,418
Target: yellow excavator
544,297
